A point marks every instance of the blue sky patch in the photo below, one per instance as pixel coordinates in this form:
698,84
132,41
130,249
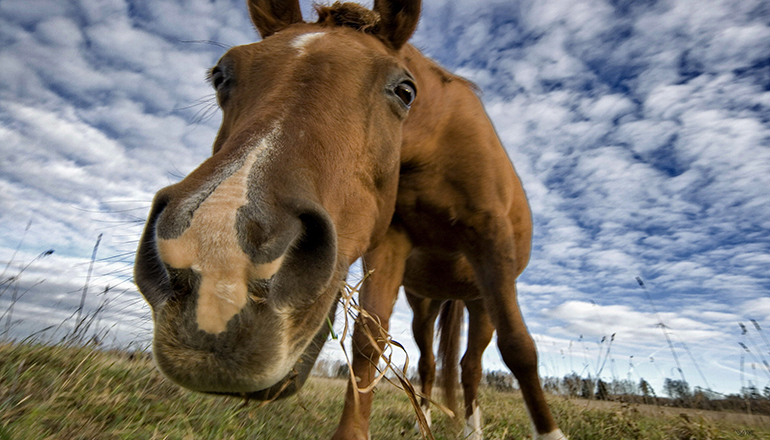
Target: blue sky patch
641,132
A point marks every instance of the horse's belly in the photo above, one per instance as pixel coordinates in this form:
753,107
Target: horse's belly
439,276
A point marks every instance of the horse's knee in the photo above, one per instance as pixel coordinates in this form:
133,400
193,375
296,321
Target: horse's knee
427,369
368,339
471,370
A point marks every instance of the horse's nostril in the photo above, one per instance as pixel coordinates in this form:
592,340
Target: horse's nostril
311,259
183,281
265,241
318,240
150,274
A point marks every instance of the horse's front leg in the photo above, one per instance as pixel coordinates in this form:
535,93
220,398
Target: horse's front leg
377,298
493,257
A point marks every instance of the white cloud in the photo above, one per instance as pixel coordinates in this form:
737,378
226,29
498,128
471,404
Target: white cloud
50,289
640,132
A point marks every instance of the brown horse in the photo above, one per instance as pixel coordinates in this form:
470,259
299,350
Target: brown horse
324,156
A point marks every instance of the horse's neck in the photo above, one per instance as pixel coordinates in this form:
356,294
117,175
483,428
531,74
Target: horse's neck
449,138
432,114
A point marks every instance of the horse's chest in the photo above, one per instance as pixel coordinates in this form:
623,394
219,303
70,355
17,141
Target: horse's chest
430,224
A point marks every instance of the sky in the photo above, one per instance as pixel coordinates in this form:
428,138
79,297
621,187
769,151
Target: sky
640,130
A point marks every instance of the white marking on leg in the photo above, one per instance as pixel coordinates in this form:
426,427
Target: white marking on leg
553,435
301,42
473,424
425,408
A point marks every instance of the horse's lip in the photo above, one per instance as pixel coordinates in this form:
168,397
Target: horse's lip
295,379
280,390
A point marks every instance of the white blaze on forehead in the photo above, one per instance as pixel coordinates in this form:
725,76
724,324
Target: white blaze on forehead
302,41
211,248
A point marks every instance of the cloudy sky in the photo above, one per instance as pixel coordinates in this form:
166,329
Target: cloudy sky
641,131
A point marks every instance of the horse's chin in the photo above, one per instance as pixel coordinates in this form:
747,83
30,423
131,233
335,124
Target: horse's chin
293,381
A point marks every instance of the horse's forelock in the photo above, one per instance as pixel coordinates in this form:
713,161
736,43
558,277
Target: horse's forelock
350,15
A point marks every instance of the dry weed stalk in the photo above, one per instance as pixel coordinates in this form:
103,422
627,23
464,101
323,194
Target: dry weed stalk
353,310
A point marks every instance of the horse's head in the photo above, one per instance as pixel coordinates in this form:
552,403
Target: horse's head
243,260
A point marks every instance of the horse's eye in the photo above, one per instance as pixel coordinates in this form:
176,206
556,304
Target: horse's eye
406,92
217,77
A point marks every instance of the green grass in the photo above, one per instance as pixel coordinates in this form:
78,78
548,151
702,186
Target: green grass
59,392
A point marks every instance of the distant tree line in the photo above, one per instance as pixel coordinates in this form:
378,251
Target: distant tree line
677,392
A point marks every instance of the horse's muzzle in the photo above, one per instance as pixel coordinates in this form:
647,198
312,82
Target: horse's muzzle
239,301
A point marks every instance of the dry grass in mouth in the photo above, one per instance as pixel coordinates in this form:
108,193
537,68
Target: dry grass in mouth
353,311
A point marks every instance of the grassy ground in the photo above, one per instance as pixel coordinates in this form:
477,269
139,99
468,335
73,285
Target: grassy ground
79,393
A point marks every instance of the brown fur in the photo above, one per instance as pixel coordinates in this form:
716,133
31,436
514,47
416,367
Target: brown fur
270,16
340,167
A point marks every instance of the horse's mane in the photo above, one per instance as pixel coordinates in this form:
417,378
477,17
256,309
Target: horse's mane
357,17
350,15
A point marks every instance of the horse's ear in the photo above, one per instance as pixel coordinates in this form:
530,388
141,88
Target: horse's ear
398,20
271,16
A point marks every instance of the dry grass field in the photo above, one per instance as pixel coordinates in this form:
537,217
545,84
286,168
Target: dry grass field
67,392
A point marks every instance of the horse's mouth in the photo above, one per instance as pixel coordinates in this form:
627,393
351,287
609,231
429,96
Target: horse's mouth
297,375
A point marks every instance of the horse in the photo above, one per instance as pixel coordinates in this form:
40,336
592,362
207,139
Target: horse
480,331
325,155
